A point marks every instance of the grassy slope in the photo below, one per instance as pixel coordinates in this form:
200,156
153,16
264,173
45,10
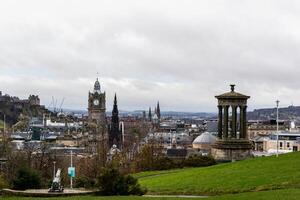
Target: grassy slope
249,175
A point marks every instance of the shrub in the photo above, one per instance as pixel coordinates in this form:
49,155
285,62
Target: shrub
27,179
164,163
199,161
3,183
84,182
111,182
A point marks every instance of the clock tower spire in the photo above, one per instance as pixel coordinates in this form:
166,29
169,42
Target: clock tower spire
96,104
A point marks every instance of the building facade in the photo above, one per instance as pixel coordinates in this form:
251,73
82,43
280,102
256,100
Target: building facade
287,142
264,128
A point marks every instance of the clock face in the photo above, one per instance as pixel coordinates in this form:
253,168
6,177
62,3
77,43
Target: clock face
96,102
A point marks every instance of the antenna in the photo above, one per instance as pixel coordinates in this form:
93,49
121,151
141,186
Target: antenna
62,102
50,104
97,76
53,104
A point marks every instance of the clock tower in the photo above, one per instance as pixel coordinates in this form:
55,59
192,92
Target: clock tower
96,105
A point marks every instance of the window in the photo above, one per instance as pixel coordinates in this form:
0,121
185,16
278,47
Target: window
280,144
295,148
288,145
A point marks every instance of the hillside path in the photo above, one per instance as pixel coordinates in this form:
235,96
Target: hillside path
176,196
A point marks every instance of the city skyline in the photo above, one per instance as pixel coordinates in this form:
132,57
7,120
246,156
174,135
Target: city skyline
181,54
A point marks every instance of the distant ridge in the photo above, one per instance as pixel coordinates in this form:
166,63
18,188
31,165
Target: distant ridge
287,113
140,113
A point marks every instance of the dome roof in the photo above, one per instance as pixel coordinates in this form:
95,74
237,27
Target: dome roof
205,138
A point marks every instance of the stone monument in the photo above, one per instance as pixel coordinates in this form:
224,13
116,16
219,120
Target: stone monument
232,143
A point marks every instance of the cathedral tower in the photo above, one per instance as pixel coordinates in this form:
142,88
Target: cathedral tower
96,105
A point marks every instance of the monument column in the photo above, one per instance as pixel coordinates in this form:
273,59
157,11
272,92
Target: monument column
231,147
225,133
242,122
245,122
234,108
220,122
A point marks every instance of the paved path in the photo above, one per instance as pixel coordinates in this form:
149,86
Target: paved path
176,196
45,193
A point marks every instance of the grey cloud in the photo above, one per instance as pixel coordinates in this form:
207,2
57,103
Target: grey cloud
179,52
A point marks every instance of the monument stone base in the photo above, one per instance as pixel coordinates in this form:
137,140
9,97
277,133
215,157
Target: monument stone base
231,150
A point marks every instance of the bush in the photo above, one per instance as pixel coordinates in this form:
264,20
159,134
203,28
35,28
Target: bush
27,179
3,183
111,182
84,182
199,161
164,163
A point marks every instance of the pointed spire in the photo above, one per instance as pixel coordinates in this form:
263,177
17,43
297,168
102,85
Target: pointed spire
115,133
150,114
158,110
115,100
115,107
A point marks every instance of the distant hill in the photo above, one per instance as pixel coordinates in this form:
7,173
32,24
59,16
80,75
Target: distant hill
288,113
203,115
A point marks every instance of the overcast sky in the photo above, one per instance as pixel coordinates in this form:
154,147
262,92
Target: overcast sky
181,53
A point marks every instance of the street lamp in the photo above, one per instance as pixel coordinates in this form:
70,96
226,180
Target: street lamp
277,127
4,125
54,169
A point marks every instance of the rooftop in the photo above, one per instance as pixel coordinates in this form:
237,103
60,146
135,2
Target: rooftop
232,94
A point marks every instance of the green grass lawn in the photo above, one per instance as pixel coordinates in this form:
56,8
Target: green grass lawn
257,178
287,194
255,174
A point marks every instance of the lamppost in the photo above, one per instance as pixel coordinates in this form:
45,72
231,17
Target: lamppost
71,180
277,127
4,125
54,169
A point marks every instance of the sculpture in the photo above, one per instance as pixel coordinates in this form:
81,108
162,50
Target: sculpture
56,183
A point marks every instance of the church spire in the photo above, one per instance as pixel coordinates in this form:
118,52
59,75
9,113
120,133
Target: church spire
158,110
150,115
